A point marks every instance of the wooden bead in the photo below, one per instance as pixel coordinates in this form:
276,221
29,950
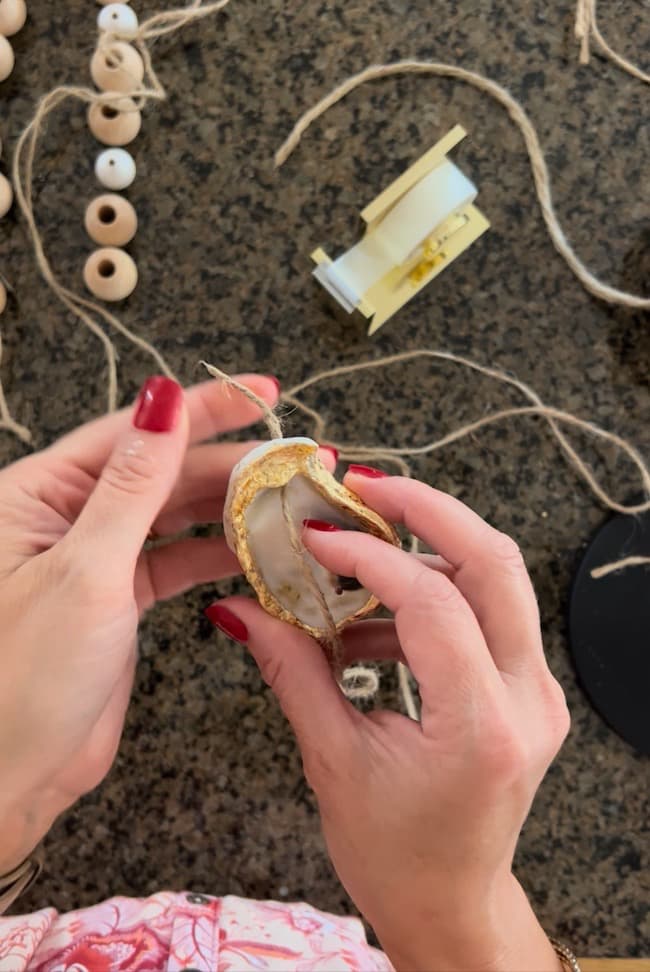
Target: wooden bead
6,195
105,3
110,274
111,220
117,68
3,297
6,58
115,124
13,14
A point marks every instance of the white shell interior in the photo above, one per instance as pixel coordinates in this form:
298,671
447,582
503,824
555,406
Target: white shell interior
282,569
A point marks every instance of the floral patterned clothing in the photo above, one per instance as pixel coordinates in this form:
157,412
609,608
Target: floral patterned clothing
171,932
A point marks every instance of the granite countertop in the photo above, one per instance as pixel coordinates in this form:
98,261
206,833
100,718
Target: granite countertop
207,791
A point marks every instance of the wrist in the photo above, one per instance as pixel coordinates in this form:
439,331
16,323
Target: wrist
22,827
494,932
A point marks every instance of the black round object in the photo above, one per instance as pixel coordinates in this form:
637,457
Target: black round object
610,628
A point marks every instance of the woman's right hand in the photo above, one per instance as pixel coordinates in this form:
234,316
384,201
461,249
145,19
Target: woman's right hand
422,819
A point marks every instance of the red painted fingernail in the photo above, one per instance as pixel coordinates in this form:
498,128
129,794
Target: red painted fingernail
223,618
367,471
335,452
159,405
320,525
275,381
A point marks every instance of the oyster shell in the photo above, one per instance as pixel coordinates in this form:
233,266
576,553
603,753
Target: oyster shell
257,533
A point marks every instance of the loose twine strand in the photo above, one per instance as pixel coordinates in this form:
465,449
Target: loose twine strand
151,89
606,569
516,112
352,451
356,681
587,28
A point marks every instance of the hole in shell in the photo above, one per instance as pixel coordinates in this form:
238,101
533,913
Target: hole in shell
106,268
106,214
109,112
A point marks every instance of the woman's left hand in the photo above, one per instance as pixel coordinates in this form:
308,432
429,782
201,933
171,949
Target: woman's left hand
74,580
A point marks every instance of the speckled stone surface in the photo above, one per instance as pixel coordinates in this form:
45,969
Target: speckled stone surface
207,791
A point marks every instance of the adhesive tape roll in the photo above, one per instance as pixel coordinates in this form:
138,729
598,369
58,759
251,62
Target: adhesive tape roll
442,192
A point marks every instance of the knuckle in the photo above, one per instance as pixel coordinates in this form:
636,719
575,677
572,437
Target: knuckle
505,755
319,767
272,670
507,553
131,470
432,586
76,573
556,711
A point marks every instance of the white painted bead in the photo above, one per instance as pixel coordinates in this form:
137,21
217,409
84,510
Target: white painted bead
115,168
119,18
13,14
6,58
119,67
6,195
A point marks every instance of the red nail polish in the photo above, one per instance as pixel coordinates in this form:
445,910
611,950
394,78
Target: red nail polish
320,525
335,452
275,381
159,405
367,471
223,618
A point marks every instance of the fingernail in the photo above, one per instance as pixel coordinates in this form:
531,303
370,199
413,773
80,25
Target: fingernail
322,525
275,382
159,405
223,618
367,471
335,452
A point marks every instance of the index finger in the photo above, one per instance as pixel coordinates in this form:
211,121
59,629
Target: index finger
488,566
439,634
213,408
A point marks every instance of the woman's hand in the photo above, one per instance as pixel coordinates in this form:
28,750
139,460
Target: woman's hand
74,580
422,819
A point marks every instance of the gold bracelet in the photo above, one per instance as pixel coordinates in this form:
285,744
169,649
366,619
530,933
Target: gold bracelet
566,956
15,883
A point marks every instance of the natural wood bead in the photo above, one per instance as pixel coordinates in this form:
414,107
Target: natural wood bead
13,14
6,58
105,3
116,124
111,220
6,195
3,297
110,274
117,68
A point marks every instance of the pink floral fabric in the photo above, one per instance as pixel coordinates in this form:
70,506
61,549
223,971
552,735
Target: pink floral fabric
171,932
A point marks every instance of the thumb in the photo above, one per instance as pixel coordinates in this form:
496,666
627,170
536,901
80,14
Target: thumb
138,477
294,666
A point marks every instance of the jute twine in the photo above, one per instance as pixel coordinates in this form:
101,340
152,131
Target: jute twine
586,29
151,89
516,112
554,418
357,681
88,311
